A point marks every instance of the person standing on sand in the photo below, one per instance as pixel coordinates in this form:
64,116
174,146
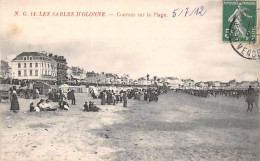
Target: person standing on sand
251,90
142,95
69,95
103,97
113,99
37,93
109,97
121,95
256,99
124,99
250,94
73,98
34,93
61,98
148,97
14,102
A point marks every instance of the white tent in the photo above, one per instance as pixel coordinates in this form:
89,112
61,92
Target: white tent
64,87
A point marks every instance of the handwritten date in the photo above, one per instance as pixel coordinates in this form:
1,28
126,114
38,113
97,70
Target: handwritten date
200,11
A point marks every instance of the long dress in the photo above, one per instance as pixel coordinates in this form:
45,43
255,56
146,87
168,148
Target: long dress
142,96
109,98
37,93
125,100
103,98
34,94
14,102
250,96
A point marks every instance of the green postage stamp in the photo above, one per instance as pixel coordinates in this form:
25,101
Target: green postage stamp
240,21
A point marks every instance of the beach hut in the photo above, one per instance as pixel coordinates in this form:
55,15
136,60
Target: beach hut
77,89
4,92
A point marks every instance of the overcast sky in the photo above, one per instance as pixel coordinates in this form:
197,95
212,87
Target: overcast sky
182,47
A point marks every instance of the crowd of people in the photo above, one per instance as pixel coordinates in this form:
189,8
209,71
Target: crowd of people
215,92
250,95
110,97
30,93
113,97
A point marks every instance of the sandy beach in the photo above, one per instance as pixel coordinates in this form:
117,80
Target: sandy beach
177,127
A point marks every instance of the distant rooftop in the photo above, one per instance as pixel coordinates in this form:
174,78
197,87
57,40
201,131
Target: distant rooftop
28,54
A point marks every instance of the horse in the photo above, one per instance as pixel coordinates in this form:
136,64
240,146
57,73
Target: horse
250,99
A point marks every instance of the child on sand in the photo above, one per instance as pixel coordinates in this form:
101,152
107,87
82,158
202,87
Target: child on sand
85,107
48,107
65,105
93,107
33,108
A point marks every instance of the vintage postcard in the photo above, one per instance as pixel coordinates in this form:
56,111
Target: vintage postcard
142,80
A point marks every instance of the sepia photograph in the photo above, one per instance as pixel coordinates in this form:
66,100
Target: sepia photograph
139,80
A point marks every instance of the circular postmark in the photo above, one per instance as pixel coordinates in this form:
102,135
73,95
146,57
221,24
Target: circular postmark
249,48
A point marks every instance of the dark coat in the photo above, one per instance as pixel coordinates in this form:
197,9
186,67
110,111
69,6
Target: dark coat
124,97
251,91
72,95
125,100
93,108
14,102
86,108
34,94
32,108
103,98
109,98
69,95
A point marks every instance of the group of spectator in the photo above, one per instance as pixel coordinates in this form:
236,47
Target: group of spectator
111,97
215,92
251,96
147,95
31,93
114,97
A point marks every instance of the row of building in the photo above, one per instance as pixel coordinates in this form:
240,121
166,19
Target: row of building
217,84
49,67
